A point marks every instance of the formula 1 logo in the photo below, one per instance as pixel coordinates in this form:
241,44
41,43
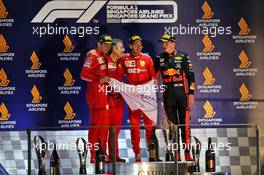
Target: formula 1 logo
84,11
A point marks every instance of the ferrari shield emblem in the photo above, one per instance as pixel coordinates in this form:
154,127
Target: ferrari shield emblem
142,63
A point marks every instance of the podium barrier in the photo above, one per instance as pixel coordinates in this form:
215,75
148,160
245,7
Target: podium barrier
237,151
242,159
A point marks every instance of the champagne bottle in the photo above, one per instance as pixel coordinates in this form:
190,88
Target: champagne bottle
54,162
99,160
210,157
153,147
169,155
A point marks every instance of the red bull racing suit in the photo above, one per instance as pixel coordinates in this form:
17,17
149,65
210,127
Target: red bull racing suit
178,77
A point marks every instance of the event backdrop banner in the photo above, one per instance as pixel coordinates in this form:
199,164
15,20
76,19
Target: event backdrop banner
43,45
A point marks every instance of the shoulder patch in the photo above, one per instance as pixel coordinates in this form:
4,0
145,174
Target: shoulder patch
88,63
100,60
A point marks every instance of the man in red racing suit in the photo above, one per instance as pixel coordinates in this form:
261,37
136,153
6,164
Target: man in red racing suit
93,70
116,101
139,69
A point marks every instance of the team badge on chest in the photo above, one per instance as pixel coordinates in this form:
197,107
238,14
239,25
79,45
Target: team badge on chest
142,63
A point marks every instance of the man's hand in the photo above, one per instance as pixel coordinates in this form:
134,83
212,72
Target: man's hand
105,79
156,82
190,100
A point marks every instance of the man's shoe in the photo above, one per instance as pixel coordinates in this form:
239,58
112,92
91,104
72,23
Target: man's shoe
159,160
188,156
92,161
108,159
119,159
138,158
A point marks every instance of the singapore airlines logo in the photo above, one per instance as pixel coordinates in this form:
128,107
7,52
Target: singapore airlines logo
4,112
68,44
245,96
244,29
208,14
35,61
208,45
209,79
36,96
3,78
69,112
209,111
3,11
3,44
69,81
245,63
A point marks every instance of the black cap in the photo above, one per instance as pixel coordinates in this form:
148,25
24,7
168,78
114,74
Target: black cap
134,38
166,38
105,39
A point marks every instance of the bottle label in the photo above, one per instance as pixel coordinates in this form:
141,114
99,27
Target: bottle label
152,154
100,166
211,164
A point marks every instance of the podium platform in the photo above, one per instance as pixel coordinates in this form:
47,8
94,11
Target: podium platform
156,168
241,159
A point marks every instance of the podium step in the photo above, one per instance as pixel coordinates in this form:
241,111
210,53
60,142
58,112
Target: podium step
154,168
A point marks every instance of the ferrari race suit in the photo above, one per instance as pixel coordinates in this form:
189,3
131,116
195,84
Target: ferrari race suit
116,102
178,77
93,69
139,70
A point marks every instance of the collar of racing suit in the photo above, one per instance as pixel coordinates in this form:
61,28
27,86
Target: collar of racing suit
135,57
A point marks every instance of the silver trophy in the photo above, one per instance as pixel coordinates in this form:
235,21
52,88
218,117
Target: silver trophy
196,150
169,133
82,152
197,153
41,147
